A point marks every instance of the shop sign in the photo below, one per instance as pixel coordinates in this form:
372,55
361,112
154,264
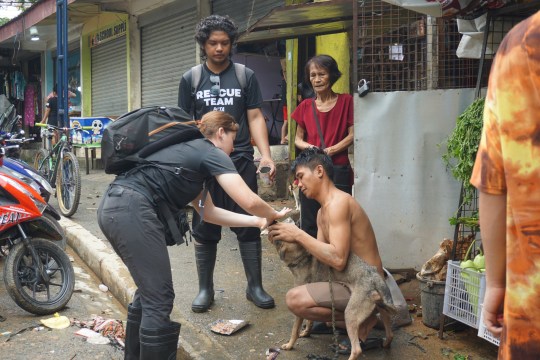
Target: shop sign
109,33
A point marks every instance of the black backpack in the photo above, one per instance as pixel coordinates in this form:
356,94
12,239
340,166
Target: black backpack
139,133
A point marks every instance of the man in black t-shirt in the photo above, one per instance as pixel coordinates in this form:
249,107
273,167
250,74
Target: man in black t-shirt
220,89
51,113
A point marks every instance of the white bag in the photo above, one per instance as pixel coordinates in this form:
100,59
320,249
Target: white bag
402,317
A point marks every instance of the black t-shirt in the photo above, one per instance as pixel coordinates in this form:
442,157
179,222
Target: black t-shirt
52,104
231,100
198,155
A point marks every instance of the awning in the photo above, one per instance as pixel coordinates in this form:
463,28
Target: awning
292,21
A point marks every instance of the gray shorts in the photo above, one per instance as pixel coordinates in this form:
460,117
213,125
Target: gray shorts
320,292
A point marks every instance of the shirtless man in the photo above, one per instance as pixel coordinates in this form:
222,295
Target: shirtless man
343,226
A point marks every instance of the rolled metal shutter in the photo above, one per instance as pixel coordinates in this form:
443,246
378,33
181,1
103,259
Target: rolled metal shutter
168,50
109,78
245,13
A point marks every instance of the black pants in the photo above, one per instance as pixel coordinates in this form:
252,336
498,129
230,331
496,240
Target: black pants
130,223
309,207
210,233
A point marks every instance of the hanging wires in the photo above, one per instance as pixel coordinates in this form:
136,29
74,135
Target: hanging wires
16,49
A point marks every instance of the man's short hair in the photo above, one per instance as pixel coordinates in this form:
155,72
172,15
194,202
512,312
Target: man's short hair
313,157
211,23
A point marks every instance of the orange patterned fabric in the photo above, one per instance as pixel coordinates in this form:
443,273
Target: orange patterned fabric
508,161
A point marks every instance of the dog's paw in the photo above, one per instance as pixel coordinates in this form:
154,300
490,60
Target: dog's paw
305,333
387,341
287,346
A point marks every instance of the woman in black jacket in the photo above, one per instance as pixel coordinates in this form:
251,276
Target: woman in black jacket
130,219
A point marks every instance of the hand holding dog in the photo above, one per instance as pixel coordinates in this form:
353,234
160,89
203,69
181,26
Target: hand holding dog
288,232
278,215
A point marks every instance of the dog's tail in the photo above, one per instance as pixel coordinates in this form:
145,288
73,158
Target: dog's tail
385,302
386,305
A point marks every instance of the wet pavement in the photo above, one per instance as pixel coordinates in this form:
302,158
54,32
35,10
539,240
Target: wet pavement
23,337
267,328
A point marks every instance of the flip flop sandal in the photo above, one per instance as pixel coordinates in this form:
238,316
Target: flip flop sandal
344,347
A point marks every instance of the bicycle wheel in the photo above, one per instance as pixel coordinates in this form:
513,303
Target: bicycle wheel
41,163
68,184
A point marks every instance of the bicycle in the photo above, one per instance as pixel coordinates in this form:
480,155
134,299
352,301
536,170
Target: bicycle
59,165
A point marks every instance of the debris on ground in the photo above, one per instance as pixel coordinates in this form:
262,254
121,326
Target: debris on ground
10,335
414,343
436,267
272,353
93,337
111,329
56,322
227,327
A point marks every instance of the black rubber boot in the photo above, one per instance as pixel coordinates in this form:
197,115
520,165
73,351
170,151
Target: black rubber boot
205,257
133,324
160,344
252,260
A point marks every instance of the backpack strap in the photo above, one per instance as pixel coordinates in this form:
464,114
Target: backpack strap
196,73
202,200
240,70
169,219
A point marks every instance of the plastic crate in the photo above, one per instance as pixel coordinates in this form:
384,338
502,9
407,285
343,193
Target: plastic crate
464,292
484,333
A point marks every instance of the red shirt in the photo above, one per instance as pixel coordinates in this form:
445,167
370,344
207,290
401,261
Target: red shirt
335,124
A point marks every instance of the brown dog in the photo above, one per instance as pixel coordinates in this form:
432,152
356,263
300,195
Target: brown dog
368,292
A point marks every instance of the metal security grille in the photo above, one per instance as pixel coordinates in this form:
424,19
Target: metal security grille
499,22
245,12
168,50
402,50
109,78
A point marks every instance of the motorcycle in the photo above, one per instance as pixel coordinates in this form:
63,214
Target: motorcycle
38,274
19,169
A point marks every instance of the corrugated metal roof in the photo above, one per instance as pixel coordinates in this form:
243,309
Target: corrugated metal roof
293,21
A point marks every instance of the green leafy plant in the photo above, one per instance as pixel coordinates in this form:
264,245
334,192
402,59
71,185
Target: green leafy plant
461,149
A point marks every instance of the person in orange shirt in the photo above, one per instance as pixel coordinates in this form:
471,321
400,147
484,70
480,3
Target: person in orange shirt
507,175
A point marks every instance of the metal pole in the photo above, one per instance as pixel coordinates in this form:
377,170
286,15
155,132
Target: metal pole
61,61
355,46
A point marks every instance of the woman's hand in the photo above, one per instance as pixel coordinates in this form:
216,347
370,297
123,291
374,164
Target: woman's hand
263,223
278,215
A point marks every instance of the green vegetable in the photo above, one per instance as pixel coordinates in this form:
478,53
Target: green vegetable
467,264
462,146
471,221
479,262
470,281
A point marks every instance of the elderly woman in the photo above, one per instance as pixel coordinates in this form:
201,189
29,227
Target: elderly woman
325,121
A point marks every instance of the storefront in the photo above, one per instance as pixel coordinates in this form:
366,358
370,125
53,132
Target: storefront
109,70
167,51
